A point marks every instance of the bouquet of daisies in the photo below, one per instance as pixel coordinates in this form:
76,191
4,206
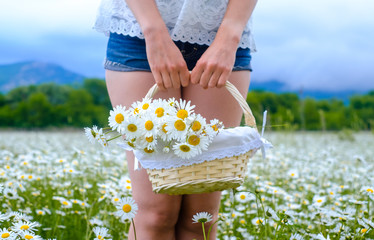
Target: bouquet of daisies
158,125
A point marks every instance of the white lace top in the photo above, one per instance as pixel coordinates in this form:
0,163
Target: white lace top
193,21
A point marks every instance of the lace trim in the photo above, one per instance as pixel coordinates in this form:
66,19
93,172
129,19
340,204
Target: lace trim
228,143
184,23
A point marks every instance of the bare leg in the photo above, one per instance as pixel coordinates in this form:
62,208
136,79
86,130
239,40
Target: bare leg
211,103
158,213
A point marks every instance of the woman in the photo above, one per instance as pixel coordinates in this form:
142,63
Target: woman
189,48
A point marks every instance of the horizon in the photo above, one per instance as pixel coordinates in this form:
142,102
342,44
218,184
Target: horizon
314,46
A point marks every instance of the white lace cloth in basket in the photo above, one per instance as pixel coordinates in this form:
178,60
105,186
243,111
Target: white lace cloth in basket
193,21
228,143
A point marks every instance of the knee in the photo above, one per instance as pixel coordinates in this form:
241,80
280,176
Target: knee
159,220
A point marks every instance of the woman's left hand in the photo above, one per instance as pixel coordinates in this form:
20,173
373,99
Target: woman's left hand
214,67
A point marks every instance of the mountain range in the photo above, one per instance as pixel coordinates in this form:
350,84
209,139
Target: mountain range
33,72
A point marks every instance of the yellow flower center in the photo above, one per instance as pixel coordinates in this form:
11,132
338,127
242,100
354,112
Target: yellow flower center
30,177
128,187
292,174
242,221
149,125
128,181
131,144
194,140
65,203
126,208
163,128
258,221
145,106
215,128
196,126
40,212
5,235
182,114
99,237
242,196
132,127
24,227
319,200
180,125
149,139
28,236
363,230
370,190
136,110
159,112
119,118
148,150
185,148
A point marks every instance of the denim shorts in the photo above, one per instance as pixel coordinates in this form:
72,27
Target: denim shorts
127,54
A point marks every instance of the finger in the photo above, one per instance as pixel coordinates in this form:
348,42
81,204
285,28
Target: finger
184,77
205,77
214,79
166,79
175,80
223,79
196,73
158,80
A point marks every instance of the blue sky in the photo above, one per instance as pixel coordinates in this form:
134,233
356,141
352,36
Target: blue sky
320,44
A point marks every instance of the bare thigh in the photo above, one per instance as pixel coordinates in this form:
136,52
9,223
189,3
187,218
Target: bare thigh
125,88
213,103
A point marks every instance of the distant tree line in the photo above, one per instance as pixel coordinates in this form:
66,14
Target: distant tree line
52,105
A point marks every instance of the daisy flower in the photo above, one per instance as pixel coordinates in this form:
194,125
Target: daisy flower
161,108
22,226
101,233
244,197
199,141
27,235
202,217
185,150
183,109
116,118
176,128
140,106
197,123
133,127
319,200
149,142
213,128
150,125
163,133
8,235
10,193
91,133
126,208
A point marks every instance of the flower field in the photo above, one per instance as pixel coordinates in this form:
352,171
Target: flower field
56,185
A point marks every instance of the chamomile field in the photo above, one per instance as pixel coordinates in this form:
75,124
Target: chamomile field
57,185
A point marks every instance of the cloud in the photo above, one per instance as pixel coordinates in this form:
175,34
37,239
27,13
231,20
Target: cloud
316,44
311,44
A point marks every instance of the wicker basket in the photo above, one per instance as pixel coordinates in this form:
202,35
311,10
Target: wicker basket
209,176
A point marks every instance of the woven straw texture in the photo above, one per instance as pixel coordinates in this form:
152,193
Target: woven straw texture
209,176
205,177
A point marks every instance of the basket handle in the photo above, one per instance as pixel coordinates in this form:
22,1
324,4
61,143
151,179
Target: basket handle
248,115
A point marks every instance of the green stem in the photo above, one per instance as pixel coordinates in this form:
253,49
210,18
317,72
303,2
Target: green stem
133,225
203,231
210,228
110,139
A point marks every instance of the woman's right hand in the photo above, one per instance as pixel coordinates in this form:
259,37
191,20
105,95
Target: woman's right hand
166,61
